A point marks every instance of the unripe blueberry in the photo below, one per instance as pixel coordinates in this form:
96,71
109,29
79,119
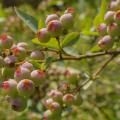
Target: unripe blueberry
9,87
25,87
48,102
2,63
18,104
67,20
109,17
37,55
22,73
113,30
69,99
38,76
102,29
10,60
19,52
43,35
22,44
56,95
117,17
6,41
105,42
51,17
27,65
54,27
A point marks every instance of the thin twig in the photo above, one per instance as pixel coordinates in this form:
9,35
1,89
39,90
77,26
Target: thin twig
103,66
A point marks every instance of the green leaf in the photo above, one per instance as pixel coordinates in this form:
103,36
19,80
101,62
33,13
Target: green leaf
70,39
71,51
30,21
95,48
100,17
51,44
41,24
90,33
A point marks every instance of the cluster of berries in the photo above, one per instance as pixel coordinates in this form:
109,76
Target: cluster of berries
110,30
55,26
19,85
58,100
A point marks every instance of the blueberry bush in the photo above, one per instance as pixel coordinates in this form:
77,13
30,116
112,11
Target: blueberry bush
59,60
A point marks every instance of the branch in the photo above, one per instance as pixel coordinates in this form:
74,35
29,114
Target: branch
103,66
92,55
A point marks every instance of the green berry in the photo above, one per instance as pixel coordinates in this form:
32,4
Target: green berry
67,20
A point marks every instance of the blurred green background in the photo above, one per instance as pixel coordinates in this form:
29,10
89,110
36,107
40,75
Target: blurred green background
102,100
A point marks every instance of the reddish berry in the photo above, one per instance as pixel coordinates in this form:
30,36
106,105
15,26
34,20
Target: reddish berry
6,41
106,42
38,77
67,20
19,52
37,55
18,104
102,29
51,17
43,35
22,73
56,95
54,27
69,99
109,17
25,88
9,87
55,107
10,60
113,30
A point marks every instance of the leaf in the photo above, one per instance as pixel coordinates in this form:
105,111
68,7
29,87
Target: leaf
48,61
100,17
30,21
41,24
71,51
90,33
51,44
95,48
70,39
